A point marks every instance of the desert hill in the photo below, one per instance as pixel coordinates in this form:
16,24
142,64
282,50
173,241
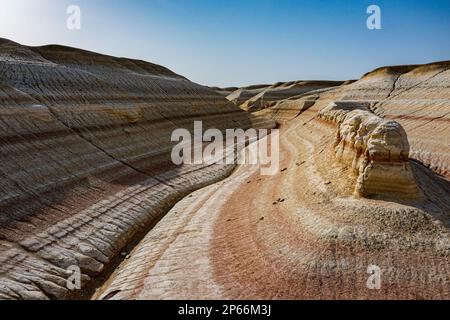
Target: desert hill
85,159
416,96
86,180
258,97
362,184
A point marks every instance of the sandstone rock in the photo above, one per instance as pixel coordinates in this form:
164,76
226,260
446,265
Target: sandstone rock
84,171
416,96
224,91
284,90
240,95
85,159
376,149
317,244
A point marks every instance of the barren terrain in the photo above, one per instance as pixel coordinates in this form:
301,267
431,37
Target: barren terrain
86,176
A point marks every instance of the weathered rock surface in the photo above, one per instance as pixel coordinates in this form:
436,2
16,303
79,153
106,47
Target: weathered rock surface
417,97
85,159
284,90
85,171
376,149
224,91
302,234
240,95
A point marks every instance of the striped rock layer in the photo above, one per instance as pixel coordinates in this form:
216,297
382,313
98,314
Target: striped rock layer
416,96
376,149
302,233
85,161
269,96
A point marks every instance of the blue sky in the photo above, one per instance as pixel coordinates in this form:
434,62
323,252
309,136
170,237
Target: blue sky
239,42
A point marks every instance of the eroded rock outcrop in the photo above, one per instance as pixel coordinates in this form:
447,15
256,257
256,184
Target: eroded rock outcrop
416,96
300,234
269,96
305,222
85,159
240,95
85,170
376,149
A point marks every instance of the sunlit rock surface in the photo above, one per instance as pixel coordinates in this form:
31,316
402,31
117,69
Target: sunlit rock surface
85,159
376,149
303,233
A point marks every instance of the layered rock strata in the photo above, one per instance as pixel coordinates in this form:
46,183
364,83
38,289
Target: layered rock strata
85,142
377,150
284,90
240,95
415,96
300,234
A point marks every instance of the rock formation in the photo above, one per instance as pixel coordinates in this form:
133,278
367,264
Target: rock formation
302,234
376,149
240,95
224,91
416,96
268,96
85,159
86,180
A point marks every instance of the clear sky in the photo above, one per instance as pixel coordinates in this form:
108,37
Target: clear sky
239,42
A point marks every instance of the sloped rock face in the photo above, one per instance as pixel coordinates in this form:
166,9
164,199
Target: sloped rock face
376,149
85,159
305,222
240,95
300,234
280,91
224,91
416,96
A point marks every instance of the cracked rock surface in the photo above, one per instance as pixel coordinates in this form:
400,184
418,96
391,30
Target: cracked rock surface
85,159
85,172
302,233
